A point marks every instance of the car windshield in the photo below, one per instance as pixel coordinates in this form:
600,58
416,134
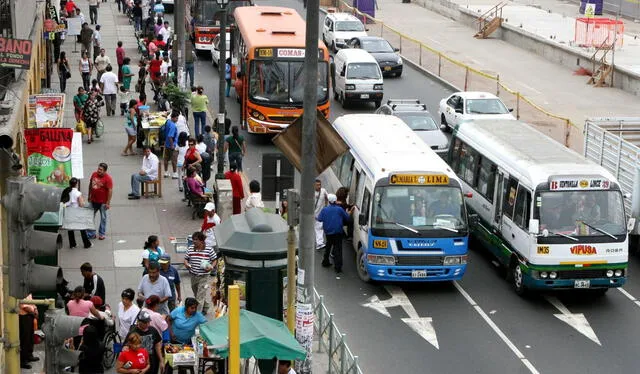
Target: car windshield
485,106
418,121
282,82
581,213
421,208
349,26
363,71
376,46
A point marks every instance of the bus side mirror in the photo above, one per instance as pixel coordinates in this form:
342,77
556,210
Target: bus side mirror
631,224
473,219
342,72
534,226
362,219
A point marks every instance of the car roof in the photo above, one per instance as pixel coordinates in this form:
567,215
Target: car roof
357,53
342,17
476,95
366,37
406,105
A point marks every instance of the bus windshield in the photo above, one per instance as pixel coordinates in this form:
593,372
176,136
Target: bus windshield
418,209
581,213
282,82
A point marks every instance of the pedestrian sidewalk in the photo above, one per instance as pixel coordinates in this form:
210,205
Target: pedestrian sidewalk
552,86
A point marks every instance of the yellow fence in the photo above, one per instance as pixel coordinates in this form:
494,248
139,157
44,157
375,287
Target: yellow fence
467,78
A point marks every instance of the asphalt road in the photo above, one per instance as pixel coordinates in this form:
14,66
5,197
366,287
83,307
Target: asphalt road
476,325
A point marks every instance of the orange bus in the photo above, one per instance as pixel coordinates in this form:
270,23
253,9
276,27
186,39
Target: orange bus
268,54
204,21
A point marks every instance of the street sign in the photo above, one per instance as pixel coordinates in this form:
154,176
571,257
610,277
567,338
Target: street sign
590,10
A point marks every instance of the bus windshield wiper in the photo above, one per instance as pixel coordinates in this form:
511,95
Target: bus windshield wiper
564,235
599,229
406,227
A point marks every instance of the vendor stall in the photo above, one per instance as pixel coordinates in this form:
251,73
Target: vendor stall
150,124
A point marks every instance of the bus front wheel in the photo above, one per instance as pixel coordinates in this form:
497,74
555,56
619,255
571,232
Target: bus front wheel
361,265
517,278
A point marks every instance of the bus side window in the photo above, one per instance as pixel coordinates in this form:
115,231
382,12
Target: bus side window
486,178
454,157
510,197
468,165
523,202
366,202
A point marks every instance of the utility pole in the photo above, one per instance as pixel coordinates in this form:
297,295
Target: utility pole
309,118
222,64
179,40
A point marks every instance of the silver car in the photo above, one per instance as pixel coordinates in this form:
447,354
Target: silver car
418,118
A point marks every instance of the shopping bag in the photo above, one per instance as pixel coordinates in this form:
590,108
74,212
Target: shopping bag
99,128
78,219
81,128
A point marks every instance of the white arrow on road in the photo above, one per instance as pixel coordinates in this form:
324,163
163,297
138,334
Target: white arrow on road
423,326
576,320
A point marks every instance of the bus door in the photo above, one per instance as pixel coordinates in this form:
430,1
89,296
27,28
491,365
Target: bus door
499,192
361,234
515,215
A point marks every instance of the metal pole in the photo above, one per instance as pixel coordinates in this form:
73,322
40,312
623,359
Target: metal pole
307,219
234,329
222,63
291,276
615,39
179,40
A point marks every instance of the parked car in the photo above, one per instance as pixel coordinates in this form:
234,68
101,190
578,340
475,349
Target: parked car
215,50
388,59
464,106
339,28
418,118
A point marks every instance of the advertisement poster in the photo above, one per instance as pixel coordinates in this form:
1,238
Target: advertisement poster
15,53
46,111
49,155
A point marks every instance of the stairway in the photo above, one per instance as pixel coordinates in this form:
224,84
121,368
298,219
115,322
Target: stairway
490,21
601,68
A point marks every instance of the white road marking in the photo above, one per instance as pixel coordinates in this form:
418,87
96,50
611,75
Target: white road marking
422,326
629,296
529,87
497,330
576,320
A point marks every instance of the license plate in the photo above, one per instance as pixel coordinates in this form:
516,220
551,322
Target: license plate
418,273
364,96
582,283
387,68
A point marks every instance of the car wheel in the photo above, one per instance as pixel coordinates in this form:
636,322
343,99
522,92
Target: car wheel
443,122
343,101
361,265
398,75
517,278
333,47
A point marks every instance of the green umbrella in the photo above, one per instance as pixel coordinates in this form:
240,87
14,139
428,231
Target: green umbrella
260,337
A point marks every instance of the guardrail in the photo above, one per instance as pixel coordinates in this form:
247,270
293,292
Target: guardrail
466,78
332,341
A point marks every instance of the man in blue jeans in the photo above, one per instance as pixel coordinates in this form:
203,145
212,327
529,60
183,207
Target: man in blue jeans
100,192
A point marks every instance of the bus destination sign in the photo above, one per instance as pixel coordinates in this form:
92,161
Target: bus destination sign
291,52
419,179
561,184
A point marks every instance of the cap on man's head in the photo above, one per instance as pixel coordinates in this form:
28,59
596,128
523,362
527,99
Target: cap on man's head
332,198
210,207
165,259
144,316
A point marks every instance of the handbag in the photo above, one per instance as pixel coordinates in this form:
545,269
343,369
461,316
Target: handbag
67,75
81,127
99,128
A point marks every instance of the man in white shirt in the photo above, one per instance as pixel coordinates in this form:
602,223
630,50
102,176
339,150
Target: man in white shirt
97,43
109,86
320,201
100,62
149,172
164,31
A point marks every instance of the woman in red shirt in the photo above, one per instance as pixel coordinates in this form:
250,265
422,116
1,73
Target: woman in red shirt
135,359
154,68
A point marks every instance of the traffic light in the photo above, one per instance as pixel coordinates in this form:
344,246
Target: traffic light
25,202
293,206
57,328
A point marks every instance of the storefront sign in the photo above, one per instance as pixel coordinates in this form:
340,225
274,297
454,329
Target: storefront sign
49,155
15,53
46,111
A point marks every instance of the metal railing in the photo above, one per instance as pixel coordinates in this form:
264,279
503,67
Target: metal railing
332,341
466,78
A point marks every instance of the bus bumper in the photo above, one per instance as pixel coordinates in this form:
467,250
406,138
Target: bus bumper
203,47
416,273
594,283
263,127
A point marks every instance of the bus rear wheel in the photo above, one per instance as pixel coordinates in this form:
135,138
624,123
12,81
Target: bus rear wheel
361,266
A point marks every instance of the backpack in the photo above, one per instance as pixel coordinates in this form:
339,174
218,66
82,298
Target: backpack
162,134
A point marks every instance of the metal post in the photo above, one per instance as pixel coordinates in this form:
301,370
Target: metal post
278,186
291,276
179,40
400,44
420,55
615,39
307,219
439,63
466,78
517,105
498,85
222,64
234,329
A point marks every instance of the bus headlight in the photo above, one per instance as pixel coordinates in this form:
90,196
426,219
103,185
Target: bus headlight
258,115
381,260
609,273
455,260
377,87
618,272
544,275
553,275
349,87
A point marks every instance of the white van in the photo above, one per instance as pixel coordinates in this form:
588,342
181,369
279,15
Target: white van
339,28
356,77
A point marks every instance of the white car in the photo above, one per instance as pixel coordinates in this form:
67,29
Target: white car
339,28
215,50
168,6
464,106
